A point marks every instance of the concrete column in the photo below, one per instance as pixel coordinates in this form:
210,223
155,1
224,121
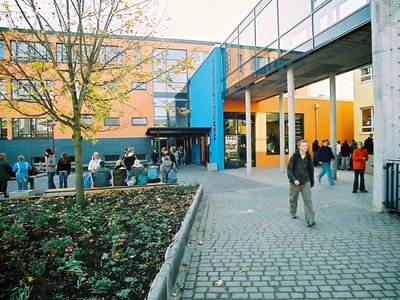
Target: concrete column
248,131
291,116
386,69
281,134
332,85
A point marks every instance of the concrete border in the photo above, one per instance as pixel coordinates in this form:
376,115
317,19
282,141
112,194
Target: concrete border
163,283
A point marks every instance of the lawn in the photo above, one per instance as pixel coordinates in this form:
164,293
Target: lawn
112,250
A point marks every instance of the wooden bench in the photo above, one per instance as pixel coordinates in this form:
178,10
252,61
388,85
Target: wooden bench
72,191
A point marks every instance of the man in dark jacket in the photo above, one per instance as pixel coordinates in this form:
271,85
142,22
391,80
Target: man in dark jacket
325,155
5,174
369,145
300,172
101,176
345,152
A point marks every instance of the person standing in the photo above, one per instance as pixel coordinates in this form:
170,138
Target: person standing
181,152
325,156
315,148
129,160
300,171
21,169
63,170
369,145
5,174
338,155
360,156
345,152
154,157
50,163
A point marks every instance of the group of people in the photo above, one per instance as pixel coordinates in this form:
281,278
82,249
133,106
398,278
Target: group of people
130,171
300,171
22,169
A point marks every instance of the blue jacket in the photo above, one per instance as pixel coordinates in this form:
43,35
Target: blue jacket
21,169
101,177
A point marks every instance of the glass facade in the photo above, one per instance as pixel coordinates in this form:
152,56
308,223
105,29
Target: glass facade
273,132
170,94
280,30
31,128
28,51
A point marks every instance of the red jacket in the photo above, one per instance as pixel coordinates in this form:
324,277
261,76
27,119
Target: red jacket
358,162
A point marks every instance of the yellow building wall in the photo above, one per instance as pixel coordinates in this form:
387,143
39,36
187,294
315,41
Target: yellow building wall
363,97
306,106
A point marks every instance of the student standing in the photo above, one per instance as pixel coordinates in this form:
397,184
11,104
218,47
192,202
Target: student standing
5,174
360,156
300,171
63,170
50,163
21,169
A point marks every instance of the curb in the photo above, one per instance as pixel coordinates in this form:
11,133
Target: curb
165,279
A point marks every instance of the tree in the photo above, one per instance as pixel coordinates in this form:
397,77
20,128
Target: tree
73,60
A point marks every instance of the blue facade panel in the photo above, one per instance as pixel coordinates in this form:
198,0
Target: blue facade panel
206,105
30,148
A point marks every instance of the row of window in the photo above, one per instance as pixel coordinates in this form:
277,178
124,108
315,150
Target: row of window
42,128
23,90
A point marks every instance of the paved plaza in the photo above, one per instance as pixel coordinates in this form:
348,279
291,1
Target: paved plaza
244,245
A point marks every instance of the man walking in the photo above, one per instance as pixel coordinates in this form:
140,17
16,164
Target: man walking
325,155
300,172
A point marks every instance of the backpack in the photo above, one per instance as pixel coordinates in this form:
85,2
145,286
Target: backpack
152,175
87,181
34,171
142,179
171,176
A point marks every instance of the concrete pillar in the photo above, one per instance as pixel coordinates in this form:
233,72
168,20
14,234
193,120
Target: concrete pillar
281,134
386,69
248,131
332,85
291,116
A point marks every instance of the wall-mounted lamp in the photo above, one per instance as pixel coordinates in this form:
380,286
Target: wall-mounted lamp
259,79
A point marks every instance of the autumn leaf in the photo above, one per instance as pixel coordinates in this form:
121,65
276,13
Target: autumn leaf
219,282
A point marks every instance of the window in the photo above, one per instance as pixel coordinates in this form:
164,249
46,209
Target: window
2,89
28,51
87,121
111,122
273,133
109,54
367,120
31,128
2,46
366,73
28,90
111,157
139,86
3,128
78,56
139,121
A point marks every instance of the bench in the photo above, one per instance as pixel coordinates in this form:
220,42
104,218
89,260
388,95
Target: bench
72,191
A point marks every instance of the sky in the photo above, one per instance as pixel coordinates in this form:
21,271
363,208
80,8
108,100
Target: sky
214,20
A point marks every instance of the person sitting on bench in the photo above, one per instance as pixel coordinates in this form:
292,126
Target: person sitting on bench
101,176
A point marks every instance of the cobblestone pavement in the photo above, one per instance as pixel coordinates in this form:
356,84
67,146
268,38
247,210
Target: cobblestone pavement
245,239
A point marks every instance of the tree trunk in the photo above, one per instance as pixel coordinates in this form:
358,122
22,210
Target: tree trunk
80,196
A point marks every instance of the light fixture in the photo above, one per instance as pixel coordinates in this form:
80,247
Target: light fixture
259,80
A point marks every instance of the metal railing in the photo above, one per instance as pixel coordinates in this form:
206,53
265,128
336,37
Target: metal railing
392,200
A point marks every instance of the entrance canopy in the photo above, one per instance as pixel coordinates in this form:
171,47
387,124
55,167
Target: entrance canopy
177,131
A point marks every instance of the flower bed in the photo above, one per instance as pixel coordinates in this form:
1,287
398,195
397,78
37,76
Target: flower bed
112,250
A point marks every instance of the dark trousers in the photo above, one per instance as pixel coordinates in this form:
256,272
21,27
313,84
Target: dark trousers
3,188
359,173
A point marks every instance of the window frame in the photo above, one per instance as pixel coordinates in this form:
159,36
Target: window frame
139,86
113,124
3,128
33,125
371,126
368,76
139,118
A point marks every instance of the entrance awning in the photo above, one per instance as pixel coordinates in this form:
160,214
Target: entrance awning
177,131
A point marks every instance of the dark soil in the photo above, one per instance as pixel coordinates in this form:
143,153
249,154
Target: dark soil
112,250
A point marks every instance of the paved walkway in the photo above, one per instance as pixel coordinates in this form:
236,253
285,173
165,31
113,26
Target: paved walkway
244,237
